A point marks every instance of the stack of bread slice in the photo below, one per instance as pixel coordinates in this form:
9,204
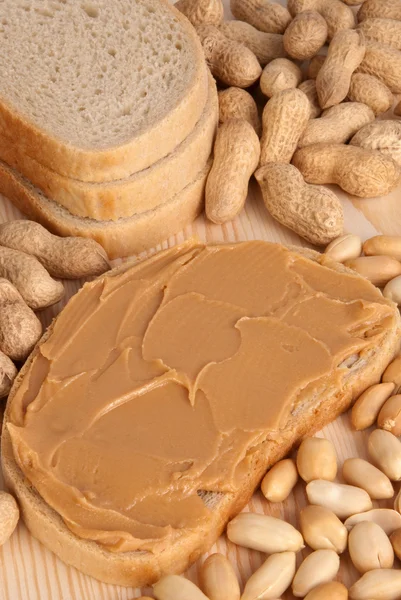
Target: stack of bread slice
107,118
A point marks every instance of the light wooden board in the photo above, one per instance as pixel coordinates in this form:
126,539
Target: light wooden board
30,572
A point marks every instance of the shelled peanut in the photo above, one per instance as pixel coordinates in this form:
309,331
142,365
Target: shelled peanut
388,519
381,259
273,578
218,578
316,459
278,483
9,516
319,567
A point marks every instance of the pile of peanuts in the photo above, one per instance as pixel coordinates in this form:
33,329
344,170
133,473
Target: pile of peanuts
30,259
339,516
319,117
380,263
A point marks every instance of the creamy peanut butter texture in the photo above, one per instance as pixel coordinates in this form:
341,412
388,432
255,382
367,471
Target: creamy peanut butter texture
159,381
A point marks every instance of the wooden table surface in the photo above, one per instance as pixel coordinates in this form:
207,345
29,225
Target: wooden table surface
30,572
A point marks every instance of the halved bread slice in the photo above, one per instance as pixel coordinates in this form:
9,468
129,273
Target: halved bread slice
139,568
139,193
99,90
119,238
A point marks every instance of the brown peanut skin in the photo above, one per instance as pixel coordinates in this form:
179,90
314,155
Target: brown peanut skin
387,9
308,87
284,119
384,63
230,62
8,373
236,103
385,31
265,46
236,156
20,328
305,35
280,74
345,54
337,15
67,258
337,124
266,16
384,136
360,172
371,91
199,12
314,212
30,278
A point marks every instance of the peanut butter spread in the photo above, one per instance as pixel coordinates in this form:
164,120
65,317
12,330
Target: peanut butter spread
160,380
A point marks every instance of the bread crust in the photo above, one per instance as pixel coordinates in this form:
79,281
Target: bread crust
121,161
142,568
120,238
139,193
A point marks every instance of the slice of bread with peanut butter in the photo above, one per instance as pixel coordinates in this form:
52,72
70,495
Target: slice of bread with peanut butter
152,407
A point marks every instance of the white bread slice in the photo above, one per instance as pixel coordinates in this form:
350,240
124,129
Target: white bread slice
95,89
140,568
123,237
139,193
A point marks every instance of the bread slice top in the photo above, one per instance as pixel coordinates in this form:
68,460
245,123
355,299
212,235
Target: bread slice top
141,192
359,351
98,89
